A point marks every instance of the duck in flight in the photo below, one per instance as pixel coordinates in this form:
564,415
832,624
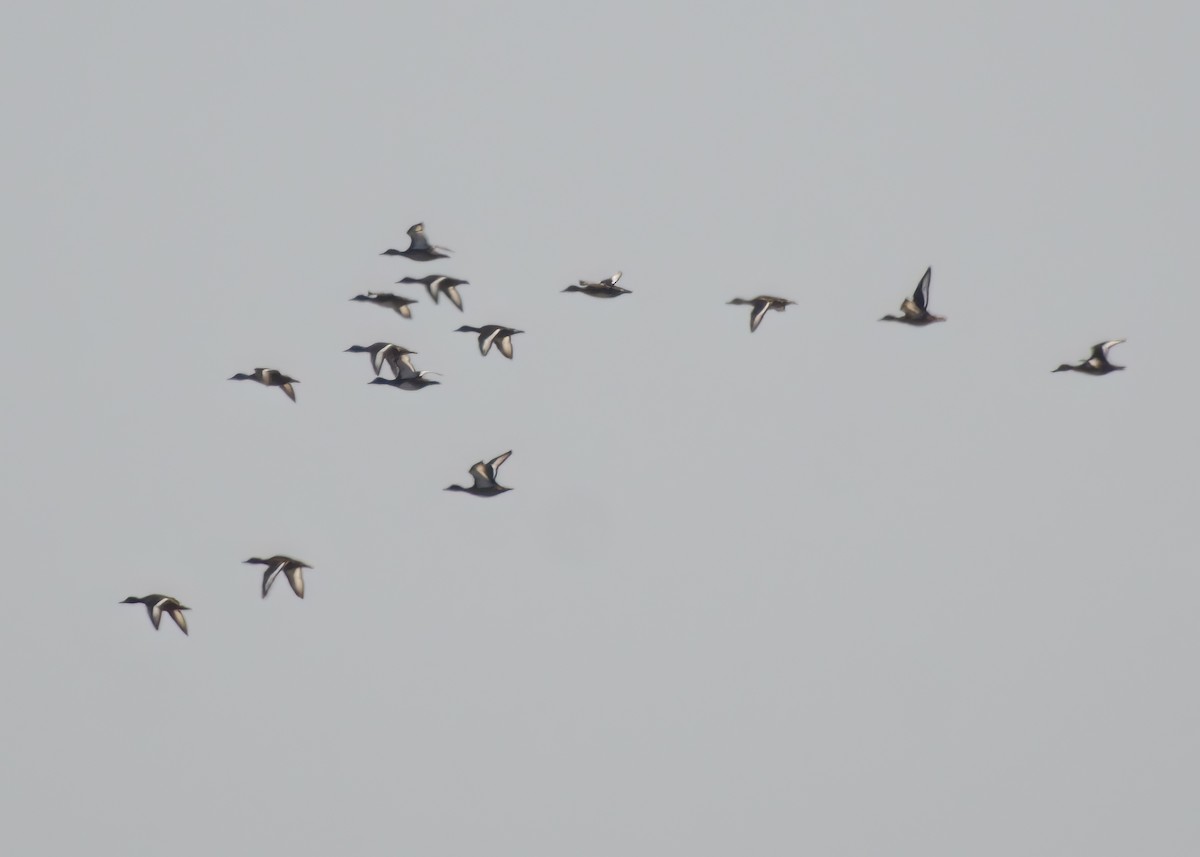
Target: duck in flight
156,605
606,288
916,309
408,380
419,248
760,305
437,285
396,356
490,333
293,570
270,378
386,299
485,484
1098,363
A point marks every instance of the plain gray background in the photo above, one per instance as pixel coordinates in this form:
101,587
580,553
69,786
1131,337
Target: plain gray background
839,587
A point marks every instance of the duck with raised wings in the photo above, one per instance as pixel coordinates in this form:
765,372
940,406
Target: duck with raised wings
915,310
1098,363
419,248
485,484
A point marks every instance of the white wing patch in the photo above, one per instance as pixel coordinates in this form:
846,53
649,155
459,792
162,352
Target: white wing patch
756,316
295,576
485,341
482,474
156,612
494,465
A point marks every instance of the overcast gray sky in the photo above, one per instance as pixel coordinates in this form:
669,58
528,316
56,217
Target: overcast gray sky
836,587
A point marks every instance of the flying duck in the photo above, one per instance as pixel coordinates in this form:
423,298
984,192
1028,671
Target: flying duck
606,288
396,356
760,305
438,285
490,333
270,378
156,605
485,478
407,381
386,299
1098,363
916,309
293,570
419,248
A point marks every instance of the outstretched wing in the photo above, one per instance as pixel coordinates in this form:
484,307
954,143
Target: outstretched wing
760,308
921,295
156,611
295,576
487,337
269,577
505,345
493,466
179,618
378,356
483,475
416,234
1100,350
613,280
452,293
291,392
402,365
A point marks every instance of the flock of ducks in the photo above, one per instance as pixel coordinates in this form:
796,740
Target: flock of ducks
405,376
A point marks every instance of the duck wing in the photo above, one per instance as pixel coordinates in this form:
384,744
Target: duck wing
760,307
484,478
493,466
269,576
1100,349
487,336
417,239
295,576
921,295
180,620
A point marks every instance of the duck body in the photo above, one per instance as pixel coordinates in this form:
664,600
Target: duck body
270,378
493,333
759,307
437,285
419,248
1097,363
388,300
292,569
157,604
484,474
915,310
